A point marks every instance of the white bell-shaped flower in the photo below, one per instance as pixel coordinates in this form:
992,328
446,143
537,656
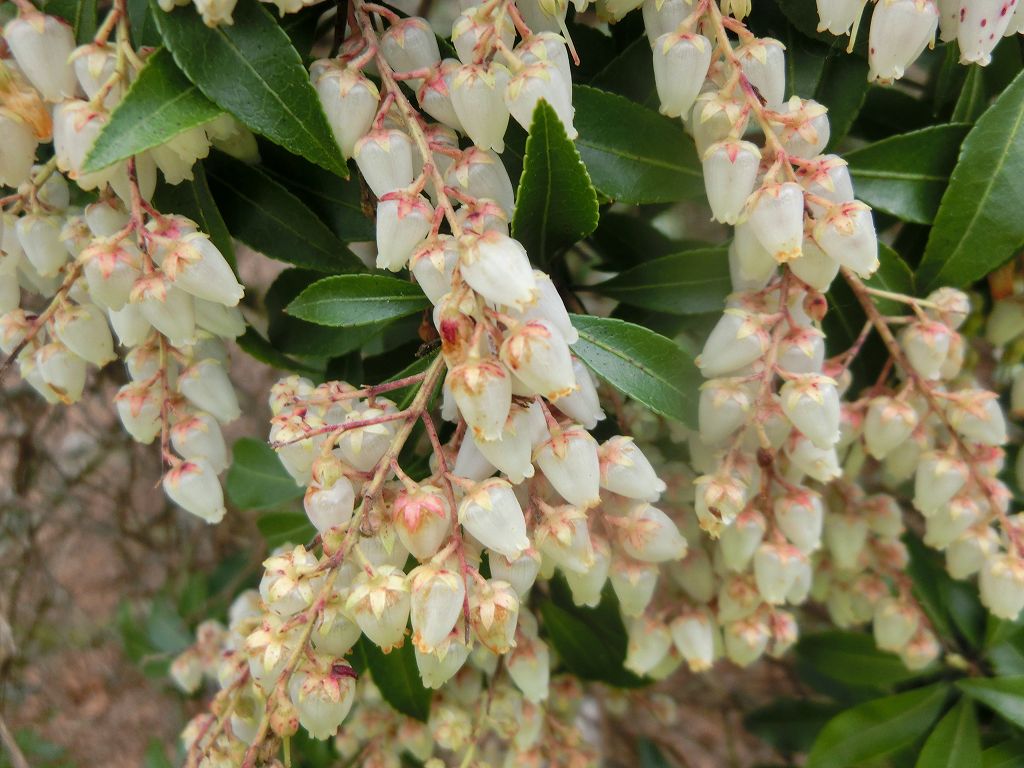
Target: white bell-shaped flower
900,31
62,370
539,358
494,612
433,263
837,16
586,586
764,63
39,235
480,174
512,453
626,471
894,623
379,602
730,170
1002,585
83,329
649,642
751,267
888,424
435,94
681,62
478,95
926,344
196,266
470,463
18,150
491,513
482,388
811,402
410,44
498,268
551,48
322,696
804,131
403,221
350,102
436,595
647,534
820,463
167,308
946,524
815,267
776,567
800,515
976,416
845,537
634,584
536,82
563,536
847,234
737,340
939,477
111,270
385,159
583,404
199,437
694,634
331,506
130,325
42,47
664,16
724,406
519,571
775,213
423,520
980,27
439,667
529,666
570,462
362,447
193,486
206,385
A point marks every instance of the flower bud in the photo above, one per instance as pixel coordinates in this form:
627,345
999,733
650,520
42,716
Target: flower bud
111,270
480,174
385,159
423,520
497,267
737,340
681,61
403,221
746,640
649,642
837,16
83,329
482,388
196,266
350,102
435,94
811,402
570,463
193,486
1002,585
379,602
491,513
900,31
776,216
206,385
199,437
538,356
410,44
363,447
764,65
42,46
494,611
730,170
536,82
478,97
330,507
647,534
888,424
847,235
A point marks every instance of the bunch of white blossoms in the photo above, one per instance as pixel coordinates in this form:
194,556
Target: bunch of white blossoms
900,30
783,460
164,287
511,727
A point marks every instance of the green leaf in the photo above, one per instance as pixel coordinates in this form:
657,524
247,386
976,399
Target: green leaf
165,629
625,240
155,756
257,479
842,88
649,754
955,742
630,74
159,105
1004,695
270,219
556,204
640,364
279,528
253,344
687,283
397,678
1009,754
906,175
354,300
790,725
979,226
250,69
633,154
877,728
591,642
853,659
973,98
193,199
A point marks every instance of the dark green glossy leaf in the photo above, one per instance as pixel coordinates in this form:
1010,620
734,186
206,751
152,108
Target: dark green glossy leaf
259,348
852,658
955,741
270,219
556,204
1009,754
354,300
973,97
633,154
687,283
256,478
630,74
193,199
979,226
250,69
1005,695
591,642
280,528
143,28
877,728
641,364
906,175
625,240
160,104
790,725
396,677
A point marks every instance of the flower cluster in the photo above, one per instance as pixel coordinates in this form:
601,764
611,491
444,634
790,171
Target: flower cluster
783,458
115,262
900,30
